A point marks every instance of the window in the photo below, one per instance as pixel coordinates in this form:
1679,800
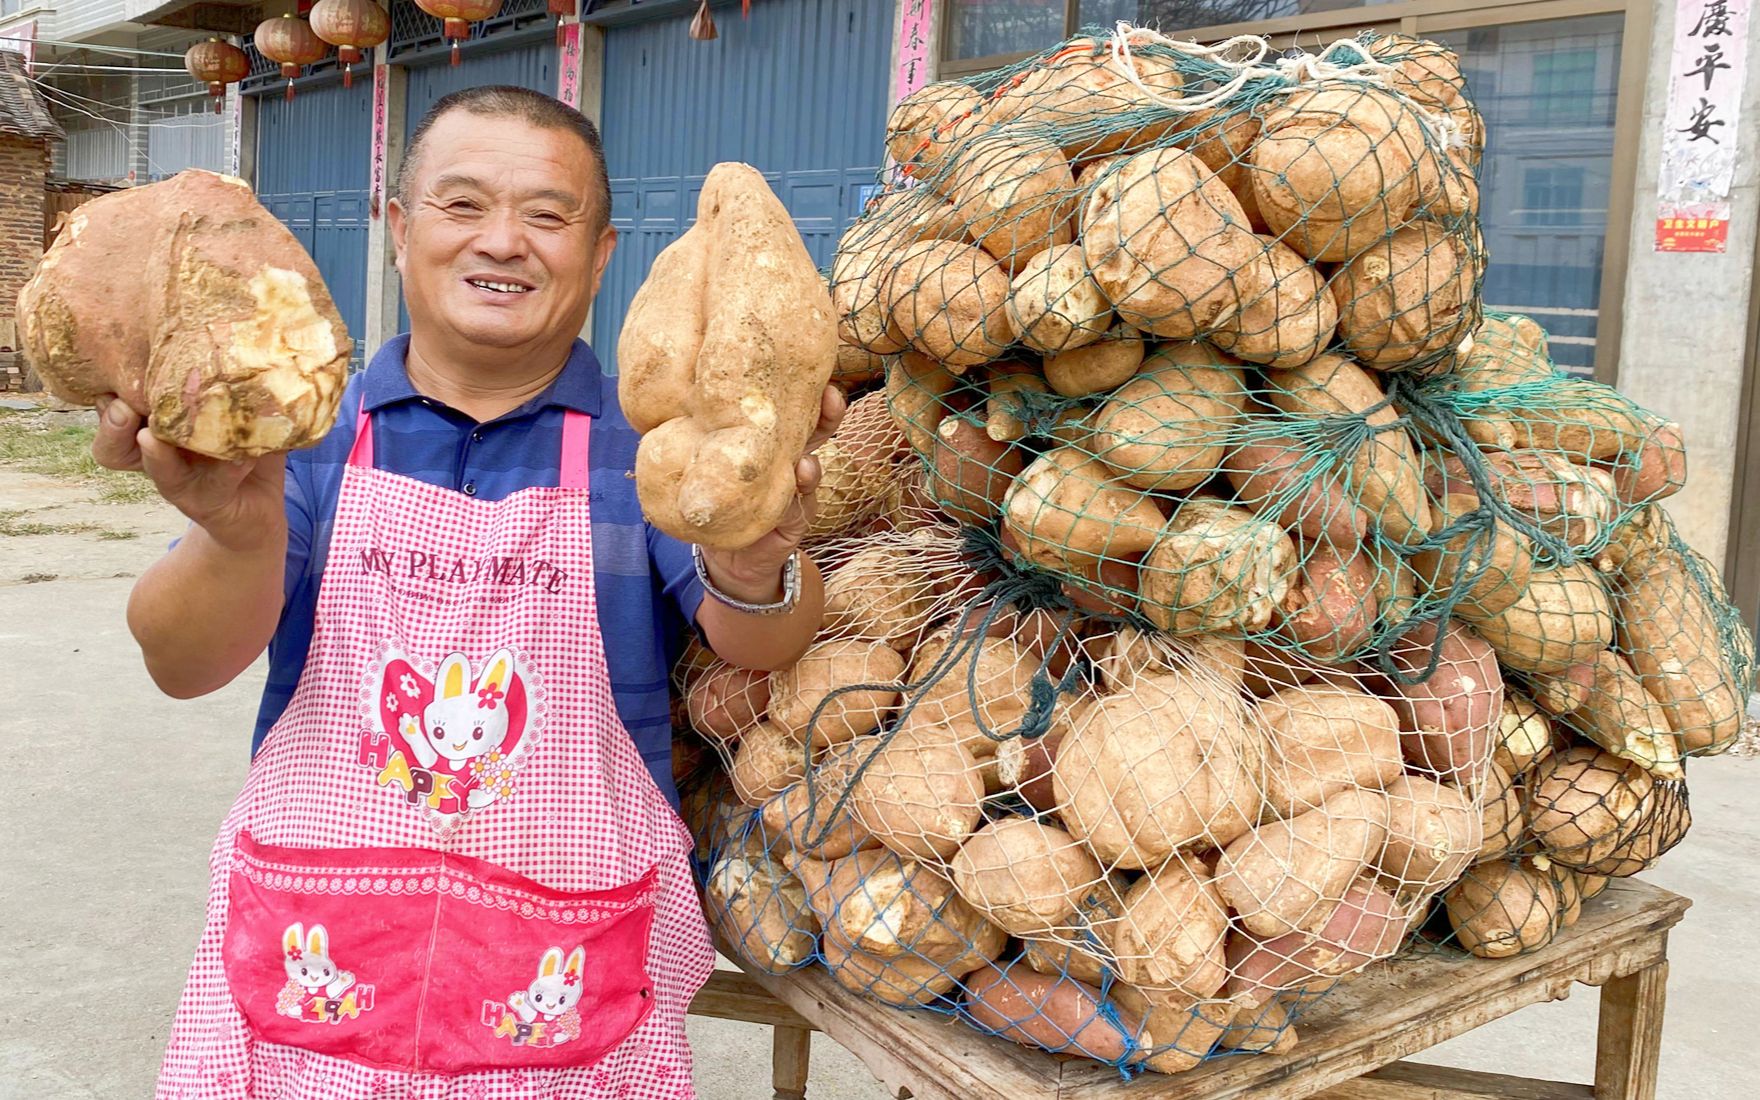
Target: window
1547,91
1554,196
988,28
1564,89
1176,15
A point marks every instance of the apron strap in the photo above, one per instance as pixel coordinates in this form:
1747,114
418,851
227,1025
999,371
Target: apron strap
576,428
361,454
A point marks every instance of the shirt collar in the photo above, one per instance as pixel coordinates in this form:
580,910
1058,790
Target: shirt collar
577,387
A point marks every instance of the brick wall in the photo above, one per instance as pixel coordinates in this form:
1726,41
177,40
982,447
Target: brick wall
22,166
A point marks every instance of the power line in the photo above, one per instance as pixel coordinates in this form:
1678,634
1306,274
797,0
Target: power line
70,66
127,139
120,51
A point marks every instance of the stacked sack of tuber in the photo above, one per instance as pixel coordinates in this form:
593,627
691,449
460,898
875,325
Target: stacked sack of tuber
1215,593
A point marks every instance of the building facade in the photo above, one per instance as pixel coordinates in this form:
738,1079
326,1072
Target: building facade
1574,93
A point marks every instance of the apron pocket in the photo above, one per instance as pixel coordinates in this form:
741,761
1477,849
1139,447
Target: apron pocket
417,961
325,948
523,976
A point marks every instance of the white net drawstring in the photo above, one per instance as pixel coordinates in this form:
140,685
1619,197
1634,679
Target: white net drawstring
1296,73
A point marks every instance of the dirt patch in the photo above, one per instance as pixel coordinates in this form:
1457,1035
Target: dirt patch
62,516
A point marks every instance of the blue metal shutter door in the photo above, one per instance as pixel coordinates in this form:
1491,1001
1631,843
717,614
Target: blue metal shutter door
798,91
313,172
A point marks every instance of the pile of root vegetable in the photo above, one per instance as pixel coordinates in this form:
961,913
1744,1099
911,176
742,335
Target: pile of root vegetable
1218,599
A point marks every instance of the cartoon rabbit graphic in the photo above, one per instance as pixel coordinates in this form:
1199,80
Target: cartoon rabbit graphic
310,971
466,720
553,994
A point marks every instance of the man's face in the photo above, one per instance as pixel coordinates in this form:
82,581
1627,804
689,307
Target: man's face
500,245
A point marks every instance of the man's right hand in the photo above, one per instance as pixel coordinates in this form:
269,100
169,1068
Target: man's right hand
239,503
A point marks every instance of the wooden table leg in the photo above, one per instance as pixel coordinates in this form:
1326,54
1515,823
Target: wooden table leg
1629,1044
791,1047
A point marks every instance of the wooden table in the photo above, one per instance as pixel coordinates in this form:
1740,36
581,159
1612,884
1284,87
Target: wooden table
1351,1041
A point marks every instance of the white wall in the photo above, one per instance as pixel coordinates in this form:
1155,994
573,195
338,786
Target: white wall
1684,341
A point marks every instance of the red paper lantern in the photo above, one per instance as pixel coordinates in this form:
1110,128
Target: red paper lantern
291,42
560,9
458,15
216,63
351,26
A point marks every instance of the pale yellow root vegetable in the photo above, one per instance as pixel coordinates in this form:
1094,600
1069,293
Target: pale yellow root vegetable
1323,740
889,906
1408,297
1661,822
1626,720
1502,909
1024,874
1433,834
1265,1029
1563,618
813,682
1067,510
879,593
1005,415
723,373
977,707
769,760
1291,875
905,981
1215,568
1502,823
1084,90
1171,763
858,285
1568,884
1524,734
1335,168
921,794
1489,566
1170,245
760,907
950,300
809,820
1668,629
1290,321
1169,426
1169,939
1016,196
1177,1032
1582,802
1055,304
858,464
925,126
723,702
1099,367
1385,475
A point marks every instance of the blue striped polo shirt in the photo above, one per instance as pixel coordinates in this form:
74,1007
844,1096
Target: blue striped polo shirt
647,590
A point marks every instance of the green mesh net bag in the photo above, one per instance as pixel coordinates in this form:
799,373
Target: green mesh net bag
1217,598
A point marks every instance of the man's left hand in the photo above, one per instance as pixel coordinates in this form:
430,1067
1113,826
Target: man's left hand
754,574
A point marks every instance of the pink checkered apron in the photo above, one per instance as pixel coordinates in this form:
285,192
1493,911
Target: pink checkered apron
450,874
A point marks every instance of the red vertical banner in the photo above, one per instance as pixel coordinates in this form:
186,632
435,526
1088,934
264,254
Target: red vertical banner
916,20
381,112
568,68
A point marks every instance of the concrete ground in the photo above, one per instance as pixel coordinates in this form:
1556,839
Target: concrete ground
120,791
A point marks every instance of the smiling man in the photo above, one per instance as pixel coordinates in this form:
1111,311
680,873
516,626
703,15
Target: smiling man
457,859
